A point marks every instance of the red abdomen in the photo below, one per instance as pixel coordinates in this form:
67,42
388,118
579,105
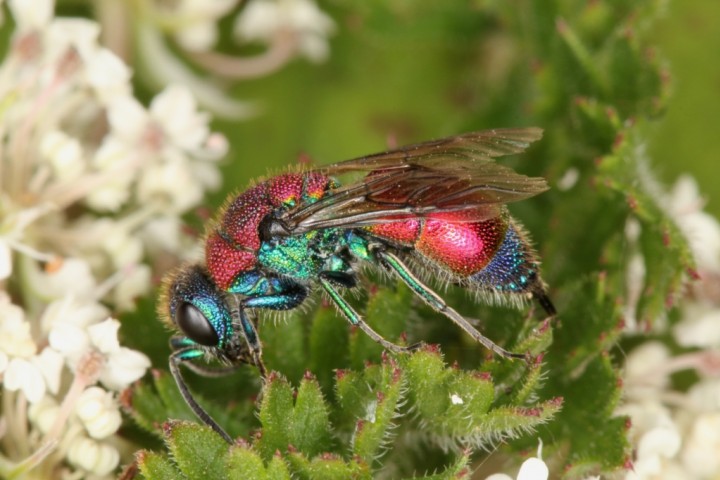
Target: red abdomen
234,238
464,248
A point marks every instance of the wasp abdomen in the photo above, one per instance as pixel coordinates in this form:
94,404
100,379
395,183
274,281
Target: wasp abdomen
513,269
492,254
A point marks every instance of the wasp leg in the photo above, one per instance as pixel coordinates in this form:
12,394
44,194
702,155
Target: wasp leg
286,296
355,319
396,265
182,356
250,334
210,372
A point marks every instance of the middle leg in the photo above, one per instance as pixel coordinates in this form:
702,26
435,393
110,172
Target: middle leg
355,319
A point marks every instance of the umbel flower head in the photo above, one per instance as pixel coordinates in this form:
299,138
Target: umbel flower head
90,179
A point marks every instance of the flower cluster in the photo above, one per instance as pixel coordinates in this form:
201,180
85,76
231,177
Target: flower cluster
92,184
676,432
286,29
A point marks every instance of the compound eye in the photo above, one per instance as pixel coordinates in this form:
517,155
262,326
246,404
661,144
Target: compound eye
195,325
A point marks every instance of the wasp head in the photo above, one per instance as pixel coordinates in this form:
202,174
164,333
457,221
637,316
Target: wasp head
193,304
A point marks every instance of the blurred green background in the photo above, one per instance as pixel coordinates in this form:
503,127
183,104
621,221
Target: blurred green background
419,79
687,138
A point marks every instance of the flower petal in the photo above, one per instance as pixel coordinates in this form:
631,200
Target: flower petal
92,456
124,367
104,335
533,469
99,412
23,375
50,363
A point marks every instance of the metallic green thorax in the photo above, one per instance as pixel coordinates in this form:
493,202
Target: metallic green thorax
304,256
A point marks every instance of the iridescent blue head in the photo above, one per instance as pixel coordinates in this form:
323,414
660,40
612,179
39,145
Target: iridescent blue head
194,305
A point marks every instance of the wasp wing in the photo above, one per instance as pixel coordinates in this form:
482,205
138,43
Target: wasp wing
454,174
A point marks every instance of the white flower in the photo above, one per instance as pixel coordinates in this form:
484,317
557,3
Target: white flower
99,412
701,451
111,239
643,373
170,184
92,456
73,311
175,110
198,21
12,229
71,34
112,156
531,469
654,447
171,134
25,376
71,277
50,364
262,20
44,413
569,179
171,122
64,154
704,396
194,22
15,336
135,283
75,146
163,234
31,15
122,365
108,75
700,326
701,229
654,434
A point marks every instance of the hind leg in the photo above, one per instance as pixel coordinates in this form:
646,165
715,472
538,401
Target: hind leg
394,264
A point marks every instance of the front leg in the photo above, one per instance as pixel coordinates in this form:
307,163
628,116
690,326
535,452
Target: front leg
282,295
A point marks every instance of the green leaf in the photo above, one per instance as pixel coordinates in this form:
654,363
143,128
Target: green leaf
302,424
328,345
459,470
275,415
244,463
457,405
151,407
373,429
197,450
154,466
284,344
310,425
327,467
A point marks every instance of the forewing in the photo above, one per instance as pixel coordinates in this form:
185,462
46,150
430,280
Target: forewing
454,174
472,146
